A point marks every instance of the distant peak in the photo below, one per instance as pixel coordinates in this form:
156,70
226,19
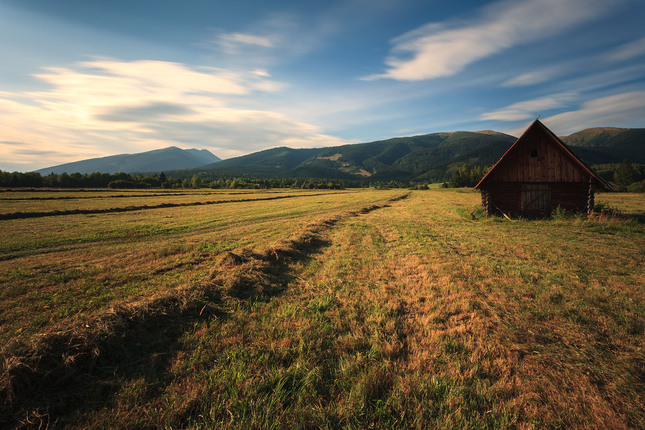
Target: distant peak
596,131
492,132
489,132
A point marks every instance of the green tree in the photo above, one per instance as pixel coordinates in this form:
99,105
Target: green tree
466,177
625,175
196,182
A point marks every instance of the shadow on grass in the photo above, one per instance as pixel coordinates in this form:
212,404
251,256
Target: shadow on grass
65,375
639,218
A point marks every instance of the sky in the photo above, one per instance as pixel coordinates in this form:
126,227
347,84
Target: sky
82,79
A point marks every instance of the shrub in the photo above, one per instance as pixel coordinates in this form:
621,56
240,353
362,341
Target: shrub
476,212
559,213
637,187
122,183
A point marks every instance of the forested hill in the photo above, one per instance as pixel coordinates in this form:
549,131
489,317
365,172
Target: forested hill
170,158
424,157
429,157
609,144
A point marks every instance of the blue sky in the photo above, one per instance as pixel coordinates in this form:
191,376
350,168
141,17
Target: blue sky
82,79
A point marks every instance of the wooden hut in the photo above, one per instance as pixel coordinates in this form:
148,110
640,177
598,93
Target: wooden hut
537,174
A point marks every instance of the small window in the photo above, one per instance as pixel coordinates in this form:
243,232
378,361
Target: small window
533,153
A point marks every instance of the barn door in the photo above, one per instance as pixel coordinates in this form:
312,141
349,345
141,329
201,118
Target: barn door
536,200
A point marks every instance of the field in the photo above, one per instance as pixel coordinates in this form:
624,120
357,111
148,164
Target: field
317,309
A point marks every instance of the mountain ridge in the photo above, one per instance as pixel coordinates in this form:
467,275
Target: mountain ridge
426,157
156,160
395,158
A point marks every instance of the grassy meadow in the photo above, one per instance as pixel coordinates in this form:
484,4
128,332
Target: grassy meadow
317,309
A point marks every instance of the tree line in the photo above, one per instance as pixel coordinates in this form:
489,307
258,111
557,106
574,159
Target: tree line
126,180
73,180
467,176
628,177
463,177
624,176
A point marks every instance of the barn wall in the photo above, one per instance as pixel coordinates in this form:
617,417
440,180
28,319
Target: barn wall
507,196
571,197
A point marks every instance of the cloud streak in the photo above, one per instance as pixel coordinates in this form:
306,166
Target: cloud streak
233,43
106,107
444,49
528,109
616,110
534,77
145,112
628,51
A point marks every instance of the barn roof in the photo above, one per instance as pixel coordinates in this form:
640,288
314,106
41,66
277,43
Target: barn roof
555,140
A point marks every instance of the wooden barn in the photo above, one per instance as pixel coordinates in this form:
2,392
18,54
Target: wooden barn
537,174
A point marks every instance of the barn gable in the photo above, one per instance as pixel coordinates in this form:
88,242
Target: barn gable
538,173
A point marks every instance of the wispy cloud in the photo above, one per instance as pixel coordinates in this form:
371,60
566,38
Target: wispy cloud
534,77
606,79
234,42
625,109
264,42
151,77
281,35
105,107
145,112
444,49
529,108
38,153
628,51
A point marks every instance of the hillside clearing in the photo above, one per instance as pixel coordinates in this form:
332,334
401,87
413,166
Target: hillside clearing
345,309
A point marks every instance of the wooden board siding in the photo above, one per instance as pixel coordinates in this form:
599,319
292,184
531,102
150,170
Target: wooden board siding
538,161
505,196
536,200
570,197
509,197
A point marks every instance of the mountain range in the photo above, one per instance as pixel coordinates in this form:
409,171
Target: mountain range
158,160
429,157
423,157
608,144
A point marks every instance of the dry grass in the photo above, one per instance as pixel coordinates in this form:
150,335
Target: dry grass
97,203
70,265
338,311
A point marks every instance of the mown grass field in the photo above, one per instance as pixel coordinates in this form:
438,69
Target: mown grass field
317,309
